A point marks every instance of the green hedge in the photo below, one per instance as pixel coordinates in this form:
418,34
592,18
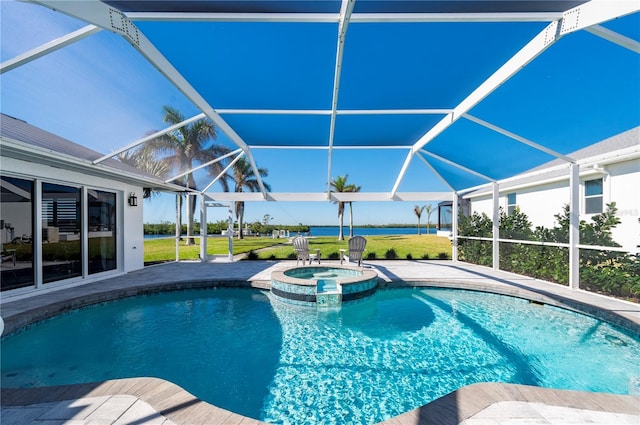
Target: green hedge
611,273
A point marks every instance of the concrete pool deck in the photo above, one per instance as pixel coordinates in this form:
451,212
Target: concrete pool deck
154,401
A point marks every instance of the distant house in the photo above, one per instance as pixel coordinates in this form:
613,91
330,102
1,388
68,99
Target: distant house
63,219
609,172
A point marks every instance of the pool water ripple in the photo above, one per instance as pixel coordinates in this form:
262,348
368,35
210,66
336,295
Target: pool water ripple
366,362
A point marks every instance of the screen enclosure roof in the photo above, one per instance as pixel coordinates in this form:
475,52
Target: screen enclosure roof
437,96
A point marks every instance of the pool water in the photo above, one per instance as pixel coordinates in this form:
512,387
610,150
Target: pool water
361,364
321,272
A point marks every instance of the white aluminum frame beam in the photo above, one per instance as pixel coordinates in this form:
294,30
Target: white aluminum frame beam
335,148
574,226
441,111
403,170
518,138
442,179
49,47
456,165
150,137
495,226
206,164
456,17
614,37
223,172
335,197
356,18
345,14
454,227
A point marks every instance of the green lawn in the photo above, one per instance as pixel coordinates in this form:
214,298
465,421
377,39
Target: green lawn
417,247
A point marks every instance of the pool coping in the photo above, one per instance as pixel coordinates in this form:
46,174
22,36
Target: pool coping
183,408
366,274
462,403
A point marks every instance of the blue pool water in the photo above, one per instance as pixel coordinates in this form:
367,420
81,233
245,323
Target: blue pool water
366,362
321,272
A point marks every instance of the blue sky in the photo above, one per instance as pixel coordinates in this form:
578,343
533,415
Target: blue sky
101,93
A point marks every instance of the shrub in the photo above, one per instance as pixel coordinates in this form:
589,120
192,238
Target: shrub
425,257
607,272
272,257
334,256
409,256
443,256
292,256
251,255
371,256
391,254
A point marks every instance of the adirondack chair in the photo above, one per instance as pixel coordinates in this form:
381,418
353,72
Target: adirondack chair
301,245
356,249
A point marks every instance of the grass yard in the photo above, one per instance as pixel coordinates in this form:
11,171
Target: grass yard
378,247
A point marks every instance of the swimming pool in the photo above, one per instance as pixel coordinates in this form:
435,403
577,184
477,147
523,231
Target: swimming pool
282,363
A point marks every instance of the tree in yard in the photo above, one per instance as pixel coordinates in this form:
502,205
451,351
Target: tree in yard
145,160
185,148
417,209
351,188
339,184
245,178
429,209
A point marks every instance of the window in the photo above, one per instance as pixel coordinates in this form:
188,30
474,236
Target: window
593,196
445,216
511,203
16,233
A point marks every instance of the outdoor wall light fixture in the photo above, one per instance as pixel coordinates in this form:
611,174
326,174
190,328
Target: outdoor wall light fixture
133,199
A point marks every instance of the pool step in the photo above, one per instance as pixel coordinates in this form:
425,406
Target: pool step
328,293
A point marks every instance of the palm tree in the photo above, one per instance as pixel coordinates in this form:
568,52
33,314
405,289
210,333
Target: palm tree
183,148
429,209
417,209
145,160
245,178
339,184
351,188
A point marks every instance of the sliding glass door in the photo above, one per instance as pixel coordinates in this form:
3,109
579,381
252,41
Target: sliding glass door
61,238
101,231
75,242
16,233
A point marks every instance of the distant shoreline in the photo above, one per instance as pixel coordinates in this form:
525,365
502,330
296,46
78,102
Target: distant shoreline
363,230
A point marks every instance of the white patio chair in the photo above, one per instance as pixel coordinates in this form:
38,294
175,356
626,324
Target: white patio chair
301,245
356,249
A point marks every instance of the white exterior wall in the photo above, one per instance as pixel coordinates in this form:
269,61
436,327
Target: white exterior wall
132,240
621,184
624,190
539,204
129,229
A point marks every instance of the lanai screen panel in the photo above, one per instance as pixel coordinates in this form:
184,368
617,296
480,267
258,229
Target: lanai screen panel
269,70
258,65
566,99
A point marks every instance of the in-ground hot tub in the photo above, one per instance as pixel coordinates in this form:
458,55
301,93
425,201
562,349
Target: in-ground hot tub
322,286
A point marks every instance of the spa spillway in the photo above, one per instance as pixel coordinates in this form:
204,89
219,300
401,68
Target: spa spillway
322,286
